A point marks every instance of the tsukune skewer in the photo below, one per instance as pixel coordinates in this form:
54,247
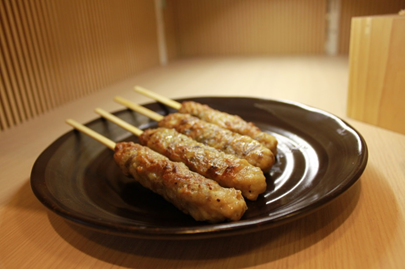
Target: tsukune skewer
222,119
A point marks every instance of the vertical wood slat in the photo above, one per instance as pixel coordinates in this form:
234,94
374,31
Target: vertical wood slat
50,35
55,51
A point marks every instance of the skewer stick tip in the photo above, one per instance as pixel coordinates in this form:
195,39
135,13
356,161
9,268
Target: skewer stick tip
140,109
86,130
119,121
160,98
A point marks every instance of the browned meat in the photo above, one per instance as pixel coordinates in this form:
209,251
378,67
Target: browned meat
231,122
202,198
228,170
222,139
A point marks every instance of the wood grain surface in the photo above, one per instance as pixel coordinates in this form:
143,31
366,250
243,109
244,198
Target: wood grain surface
377,71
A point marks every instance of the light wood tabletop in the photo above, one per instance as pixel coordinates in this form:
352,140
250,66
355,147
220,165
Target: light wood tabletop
362,228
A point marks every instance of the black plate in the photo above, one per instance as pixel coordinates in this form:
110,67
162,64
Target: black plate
319,157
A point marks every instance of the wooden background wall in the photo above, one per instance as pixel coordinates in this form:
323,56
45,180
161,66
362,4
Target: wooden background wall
55,51
240,27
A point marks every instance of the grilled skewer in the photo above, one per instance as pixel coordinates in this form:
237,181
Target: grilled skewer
202,198
222,119
212,135
226,169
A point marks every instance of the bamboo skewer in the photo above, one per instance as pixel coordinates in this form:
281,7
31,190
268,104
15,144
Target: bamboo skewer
103,140
158,97
119,121
143,110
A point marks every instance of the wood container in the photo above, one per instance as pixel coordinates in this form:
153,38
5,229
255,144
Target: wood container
376,93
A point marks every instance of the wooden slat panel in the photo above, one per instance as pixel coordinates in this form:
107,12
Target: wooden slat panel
11,97
24,60
55,51
33,58
232,27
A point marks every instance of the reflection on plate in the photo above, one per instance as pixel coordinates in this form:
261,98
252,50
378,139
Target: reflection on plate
319,157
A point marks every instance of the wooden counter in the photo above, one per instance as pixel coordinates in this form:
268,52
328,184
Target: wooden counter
363,228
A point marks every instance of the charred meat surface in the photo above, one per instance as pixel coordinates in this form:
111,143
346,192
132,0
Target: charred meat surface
222,139
226,169
202,198
231,122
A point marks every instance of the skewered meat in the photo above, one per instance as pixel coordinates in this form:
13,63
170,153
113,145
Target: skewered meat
231,122
226,169
222,139
203,199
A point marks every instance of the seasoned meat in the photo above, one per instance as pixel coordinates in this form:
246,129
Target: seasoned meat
231,122
222,139
202,198
228,170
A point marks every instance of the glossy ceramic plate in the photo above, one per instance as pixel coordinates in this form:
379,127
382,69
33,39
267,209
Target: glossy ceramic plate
319,157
